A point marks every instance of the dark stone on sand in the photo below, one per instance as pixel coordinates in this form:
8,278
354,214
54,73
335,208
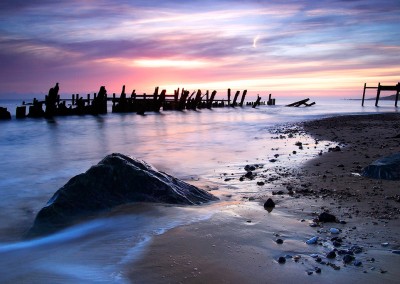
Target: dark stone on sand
115,180
279,241
348,258
326,217
281,260
334,149
331,254
269,203
387,168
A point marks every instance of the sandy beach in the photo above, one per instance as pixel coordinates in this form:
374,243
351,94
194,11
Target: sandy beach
239,243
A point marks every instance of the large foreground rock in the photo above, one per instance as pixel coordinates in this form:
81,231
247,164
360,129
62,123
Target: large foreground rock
384,168
115,180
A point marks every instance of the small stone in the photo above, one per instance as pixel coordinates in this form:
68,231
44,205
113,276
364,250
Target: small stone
281,260
279,241
334,231
317,270
312,241
396,251
331,254
309,272
260,183
357,263
326,217
269,203
348,258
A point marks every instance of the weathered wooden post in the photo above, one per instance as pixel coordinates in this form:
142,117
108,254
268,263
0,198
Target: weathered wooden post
20,112
73,99
88,99
257,101
363,97
243,96
397,93
113,100
235,98
229,96
210,102
378,93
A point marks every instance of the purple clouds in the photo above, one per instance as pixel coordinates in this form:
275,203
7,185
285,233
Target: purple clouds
112,41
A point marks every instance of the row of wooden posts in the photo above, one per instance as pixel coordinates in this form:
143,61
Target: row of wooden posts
180,100
380,88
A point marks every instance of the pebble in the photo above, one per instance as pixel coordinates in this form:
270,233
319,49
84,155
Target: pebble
331,254
281,260
312,241
269,203
384,244
348,258
357,263
396,251
326,217
334,231
317,270
279,241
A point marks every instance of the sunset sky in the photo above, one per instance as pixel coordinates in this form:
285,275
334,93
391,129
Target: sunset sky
287,48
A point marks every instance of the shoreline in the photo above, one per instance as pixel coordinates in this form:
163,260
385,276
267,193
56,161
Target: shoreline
238,244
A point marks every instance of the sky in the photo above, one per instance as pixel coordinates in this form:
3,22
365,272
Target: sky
287,48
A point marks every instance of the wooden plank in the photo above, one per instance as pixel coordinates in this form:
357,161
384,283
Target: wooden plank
298,103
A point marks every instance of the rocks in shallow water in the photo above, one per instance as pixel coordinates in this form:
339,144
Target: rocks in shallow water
269,203
312,241
326,217
387,168
115,180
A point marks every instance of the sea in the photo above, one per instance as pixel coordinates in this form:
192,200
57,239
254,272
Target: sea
38,156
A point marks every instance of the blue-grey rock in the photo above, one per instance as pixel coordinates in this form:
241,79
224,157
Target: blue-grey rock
387,168
115,180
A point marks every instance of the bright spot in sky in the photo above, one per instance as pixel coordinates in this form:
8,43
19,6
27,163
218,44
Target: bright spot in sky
255,41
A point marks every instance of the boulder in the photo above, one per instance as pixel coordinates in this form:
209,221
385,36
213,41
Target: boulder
115,180
384,168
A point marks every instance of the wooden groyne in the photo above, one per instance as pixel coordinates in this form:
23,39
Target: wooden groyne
380,88
181,100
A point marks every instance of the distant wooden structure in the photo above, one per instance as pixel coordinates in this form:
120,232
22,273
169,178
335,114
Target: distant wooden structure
380,88
180,100
301,102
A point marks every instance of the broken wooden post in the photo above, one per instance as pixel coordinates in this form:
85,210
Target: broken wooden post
210,102
235,98
20,112
243,96
363,97
229,96
257,102
88,99
378,93
397,93
298,103
73,99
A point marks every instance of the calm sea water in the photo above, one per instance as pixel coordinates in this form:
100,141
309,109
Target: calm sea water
39,156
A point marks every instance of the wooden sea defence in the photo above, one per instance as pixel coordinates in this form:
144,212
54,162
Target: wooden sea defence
181,100
380,88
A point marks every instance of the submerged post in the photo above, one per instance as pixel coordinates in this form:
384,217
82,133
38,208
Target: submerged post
378,94
243,96
397,93
229,96
363,97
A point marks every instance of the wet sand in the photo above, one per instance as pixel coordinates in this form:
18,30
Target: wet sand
238,244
